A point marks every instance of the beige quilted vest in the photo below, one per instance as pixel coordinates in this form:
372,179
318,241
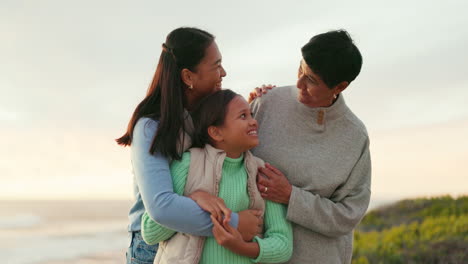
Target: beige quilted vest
205,174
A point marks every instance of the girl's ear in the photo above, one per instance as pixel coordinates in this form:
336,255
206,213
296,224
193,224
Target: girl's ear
215,133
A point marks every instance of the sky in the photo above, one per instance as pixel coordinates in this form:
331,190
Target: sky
72,72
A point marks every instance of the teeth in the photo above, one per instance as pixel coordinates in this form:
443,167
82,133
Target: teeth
253,132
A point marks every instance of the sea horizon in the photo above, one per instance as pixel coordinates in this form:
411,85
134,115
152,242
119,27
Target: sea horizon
74,231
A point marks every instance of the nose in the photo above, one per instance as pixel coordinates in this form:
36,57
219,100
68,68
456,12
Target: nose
223,72
253,122
300,83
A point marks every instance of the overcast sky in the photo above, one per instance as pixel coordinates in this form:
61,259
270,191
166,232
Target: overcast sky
72,72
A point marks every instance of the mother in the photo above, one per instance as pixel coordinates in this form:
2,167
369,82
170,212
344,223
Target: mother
312,136
159,131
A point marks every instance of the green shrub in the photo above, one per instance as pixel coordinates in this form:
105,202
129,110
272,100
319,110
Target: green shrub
426,230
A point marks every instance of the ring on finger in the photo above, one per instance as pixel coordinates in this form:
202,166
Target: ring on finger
266,189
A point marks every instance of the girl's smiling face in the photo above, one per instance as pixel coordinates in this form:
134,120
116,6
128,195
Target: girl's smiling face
239,131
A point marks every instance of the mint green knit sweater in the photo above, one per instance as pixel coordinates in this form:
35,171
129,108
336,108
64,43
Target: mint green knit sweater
276,244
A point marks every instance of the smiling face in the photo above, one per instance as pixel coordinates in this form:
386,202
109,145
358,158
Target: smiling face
239,131
313,92
209,73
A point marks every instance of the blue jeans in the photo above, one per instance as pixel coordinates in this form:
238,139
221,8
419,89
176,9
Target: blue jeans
139,252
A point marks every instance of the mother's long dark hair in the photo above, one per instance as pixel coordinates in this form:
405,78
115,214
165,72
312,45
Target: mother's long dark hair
165,99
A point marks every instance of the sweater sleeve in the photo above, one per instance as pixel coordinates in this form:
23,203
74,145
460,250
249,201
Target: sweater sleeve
155,185
339,214
277,244
151,231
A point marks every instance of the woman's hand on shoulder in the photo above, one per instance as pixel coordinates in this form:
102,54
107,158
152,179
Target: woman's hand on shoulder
273,184
212,204
258,91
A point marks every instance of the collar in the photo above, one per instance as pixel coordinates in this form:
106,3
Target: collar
322,115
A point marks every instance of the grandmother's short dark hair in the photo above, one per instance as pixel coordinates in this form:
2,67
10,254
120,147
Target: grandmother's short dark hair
333,56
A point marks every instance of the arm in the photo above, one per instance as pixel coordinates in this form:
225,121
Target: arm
153,232
277,244
339,214
275,247
155,184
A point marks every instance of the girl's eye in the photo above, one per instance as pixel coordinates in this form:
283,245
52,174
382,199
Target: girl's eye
243,115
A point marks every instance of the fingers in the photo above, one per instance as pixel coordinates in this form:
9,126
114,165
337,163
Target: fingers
258,91
263,181
260,224
227,214
228,227
260,187
223,232
215,212
218,230
260,220
219,210
210,203
260,229
267,172
224,210
267,87
273,168
257,213
215,222
216,225
225,221
252,96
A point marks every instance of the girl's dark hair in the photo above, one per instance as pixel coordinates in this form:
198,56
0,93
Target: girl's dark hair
333,56
210,111
165,99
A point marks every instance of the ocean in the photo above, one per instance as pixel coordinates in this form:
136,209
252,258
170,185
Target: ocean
72,232
53,232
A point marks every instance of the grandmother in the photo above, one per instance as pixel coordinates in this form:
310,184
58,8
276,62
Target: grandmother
320,150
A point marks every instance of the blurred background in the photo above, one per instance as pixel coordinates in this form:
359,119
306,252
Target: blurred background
72,72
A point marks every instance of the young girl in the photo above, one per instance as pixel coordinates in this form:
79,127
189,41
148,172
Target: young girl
222,165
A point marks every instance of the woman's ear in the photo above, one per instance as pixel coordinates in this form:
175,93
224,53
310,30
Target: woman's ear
215,133
187,77
341,87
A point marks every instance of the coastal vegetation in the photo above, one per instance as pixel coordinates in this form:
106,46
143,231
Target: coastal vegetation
424,230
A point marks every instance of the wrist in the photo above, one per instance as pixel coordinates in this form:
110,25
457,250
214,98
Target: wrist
234,220
241,246
248,249
192,196
288,194
251,249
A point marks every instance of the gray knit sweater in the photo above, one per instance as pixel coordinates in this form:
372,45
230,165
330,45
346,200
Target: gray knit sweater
324,152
